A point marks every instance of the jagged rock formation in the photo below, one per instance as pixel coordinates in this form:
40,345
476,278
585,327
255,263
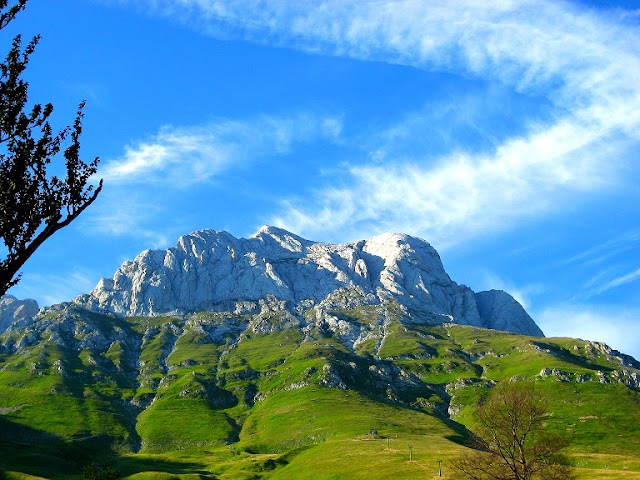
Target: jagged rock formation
13,310
275,270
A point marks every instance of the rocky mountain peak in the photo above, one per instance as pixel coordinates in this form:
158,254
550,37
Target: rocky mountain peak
214,271
13,311
274,239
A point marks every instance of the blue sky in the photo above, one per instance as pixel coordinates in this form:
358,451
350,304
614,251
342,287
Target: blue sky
505,133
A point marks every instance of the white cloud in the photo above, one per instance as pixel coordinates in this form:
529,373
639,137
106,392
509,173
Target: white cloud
618,327
583,61
461,195
529,44
140,186
180,157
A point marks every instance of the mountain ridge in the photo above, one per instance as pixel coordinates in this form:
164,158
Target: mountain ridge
212,270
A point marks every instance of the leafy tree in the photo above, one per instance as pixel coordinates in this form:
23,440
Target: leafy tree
512,443
34,204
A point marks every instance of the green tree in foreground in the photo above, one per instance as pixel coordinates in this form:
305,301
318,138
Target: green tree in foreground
512,441
34,204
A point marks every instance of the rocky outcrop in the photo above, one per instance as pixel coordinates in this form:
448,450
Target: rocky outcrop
13,310
275,270
501,311
629,377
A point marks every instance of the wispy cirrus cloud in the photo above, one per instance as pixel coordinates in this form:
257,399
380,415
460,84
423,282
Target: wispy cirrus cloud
603,283
583,62
183,156
611,247
622,280
606,265
54,288
121,212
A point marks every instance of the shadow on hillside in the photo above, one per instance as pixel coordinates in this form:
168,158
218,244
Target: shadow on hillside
35,452
31,451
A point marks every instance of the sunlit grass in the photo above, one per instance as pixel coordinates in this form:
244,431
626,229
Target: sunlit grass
246,405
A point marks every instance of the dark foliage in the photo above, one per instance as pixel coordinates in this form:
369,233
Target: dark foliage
95,472
34,204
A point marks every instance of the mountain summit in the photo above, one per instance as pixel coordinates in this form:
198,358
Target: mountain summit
280,271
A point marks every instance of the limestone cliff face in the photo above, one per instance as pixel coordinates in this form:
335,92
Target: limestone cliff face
13,310
275,269
501,311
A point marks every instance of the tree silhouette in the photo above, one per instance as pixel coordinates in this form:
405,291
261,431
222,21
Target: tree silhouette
34,203
512,443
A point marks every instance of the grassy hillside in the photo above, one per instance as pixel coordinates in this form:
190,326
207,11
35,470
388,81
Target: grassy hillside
238,397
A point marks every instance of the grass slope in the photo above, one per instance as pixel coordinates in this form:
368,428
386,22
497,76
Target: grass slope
237,397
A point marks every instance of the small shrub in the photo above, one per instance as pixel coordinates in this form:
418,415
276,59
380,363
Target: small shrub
97,472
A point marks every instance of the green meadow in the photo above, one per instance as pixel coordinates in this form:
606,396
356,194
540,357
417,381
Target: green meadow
210,396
